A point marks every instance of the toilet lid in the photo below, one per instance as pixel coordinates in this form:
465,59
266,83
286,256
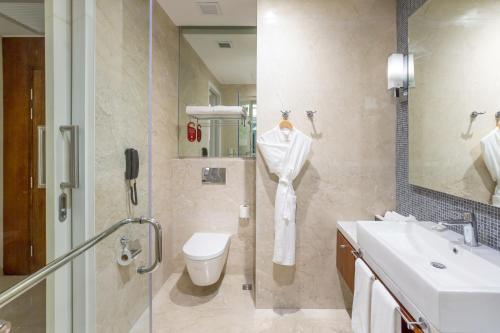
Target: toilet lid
203,246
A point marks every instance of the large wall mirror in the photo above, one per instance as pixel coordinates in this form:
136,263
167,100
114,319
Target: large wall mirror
217,92
454,135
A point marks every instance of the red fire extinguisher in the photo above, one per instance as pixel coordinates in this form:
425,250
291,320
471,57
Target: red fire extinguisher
198,133
191,132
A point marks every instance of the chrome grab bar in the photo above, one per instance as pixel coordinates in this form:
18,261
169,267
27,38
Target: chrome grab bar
54,265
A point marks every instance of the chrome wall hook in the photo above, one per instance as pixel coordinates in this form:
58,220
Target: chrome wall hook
474,114
285,114
310,114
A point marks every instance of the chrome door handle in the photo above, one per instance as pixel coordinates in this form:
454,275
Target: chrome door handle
74,158
41,157
158,246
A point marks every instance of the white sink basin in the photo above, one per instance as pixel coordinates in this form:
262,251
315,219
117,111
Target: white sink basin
463,297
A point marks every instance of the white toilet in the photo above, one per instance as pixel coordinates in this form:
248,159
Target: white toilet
205,255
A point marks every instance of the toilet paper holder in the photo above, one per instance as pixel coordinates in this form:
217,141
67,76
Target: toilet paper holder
127,254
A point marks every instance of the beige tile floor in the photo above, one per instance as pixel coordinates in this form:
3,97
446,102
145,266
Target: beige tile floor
181,307
27,312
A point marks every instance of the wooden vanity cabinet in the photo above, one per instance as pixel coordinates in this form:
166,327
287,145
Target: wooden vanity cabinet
345,260
345,265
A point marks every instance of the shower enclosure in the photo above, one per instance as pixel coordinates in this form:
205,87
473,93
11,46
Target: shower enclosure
76,252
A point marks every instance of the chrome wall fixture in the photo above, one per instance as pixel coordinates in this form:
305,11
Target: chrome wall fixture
310,114
213,176
474,114
285,114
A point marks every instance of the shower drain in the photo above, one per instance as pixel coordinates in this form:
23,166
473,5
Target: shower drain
246,286
438,265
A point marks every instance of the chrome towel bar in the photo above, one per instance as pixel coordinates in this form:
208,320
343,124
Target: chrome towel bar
422,323
24,285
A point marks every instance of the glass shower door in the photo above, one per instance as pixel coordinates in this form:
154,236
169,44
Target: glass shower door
122,121
97,64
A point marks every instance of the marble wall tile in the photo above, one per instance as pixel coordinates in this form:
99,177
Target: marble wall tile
329,56
121,121
164,130
214,208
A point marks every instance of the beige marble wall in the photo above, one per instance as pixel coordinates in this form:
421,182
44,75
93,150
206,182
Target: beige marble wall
456,72
214,208
329,56
194,79
122,59
164,145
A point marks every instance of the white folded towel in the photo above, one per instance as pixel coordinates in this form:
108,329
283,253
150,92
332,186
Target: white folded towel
393,216
384,315
363,280
227,109
217,110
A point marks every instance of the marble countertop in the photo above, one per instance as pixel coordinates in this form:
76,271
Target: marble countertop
348,230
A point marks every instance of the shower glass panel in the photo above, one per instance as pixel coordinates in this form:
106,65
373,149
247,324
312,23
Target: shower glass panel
122,121
85,80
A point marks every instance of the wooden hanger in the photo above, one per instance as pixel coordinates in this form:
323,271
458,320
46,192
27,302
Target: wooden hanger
285,123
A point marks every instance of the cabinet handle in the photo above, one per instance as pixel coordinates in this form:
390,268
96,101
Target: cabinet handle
343,246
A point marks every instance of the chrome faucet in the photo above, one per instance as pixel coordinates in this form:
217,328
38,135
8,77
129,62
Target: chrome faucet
469,222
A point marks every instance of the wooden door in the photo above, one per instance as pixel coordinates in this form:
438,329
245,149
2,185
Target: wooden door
37,223
24,111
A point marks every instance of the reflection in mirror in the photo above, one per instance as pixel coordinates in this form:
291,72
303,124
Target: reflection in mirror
453,135
22,160
217,92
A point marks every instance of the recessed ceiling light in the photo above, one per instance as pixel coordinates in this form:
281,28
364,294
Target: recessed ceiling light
209,7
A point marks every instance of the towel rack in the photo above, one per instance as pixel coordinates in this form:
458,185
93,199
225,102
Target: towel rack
422,323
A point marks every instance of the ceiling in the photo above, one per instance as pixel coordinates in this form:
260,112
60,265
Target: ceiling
21,18
232,12
236,65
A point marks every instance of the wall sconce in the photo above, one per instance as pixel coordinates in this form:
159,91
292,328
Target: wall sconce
400,73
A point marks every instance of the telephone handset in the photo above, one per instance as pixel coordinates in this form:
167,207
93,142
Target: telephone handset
132,172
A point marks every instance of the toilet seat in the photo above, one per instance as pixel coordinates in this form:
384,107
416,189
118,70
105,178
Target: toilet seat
204,246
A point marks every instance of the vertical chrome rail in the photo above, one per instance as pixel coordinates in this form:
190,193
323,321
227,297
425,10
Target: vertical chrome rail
54,265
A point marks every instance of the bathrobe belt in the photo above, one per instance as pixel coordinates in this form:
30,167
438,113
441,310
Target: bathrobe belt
287,193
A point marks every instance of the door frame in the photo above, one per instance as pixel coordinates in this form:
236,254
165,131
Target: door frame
83,205
70,36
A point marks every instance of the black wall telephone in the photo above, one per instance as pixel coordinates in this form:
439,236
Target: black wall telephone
132,172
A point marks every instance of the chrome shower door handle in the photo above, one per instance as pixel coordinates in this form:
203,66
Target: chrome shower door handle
74,158
158,246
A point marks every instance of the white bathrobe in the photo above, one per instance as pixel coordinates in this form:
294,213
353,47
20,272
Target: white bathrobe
490,146
285,152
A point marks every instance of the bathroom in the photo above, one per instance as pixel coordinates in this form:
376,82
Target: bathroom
250,166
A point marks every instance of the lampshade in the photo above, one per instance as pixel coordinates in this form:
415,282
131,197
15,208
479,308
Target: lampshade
396,74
